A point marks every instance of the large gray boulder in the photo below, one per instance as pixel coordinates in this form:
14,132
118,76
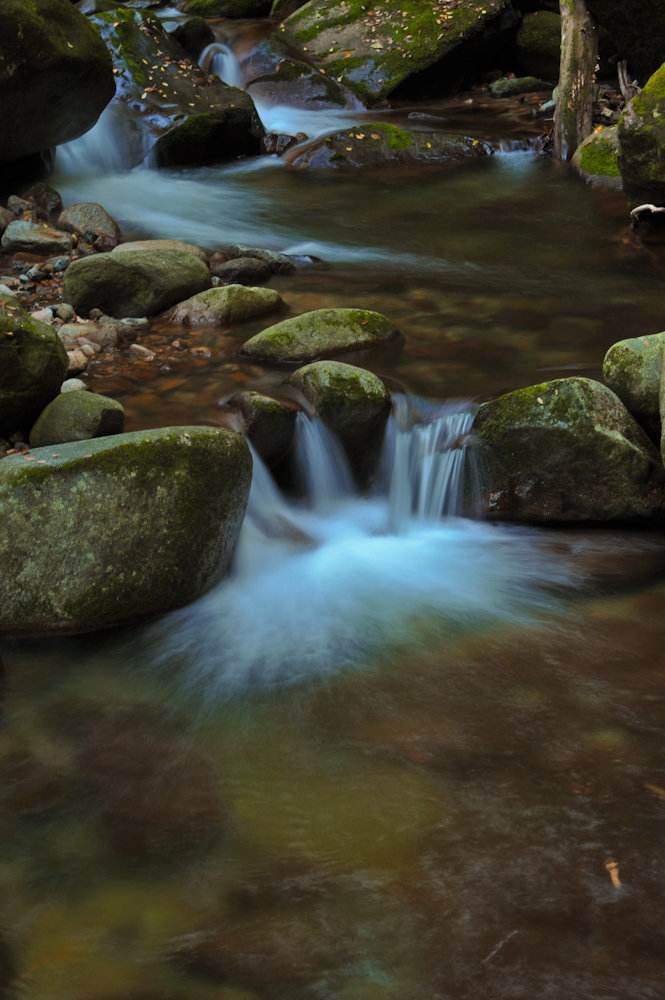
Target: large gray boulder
77,416
633,369
33,365
101,533
55,76
567,451
319,334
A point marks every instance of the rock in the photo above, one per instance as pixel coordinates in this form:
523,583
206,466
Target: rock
274,77
7,293
6,217
567,451
153,515
642,142
141,352
242,271
33,364
353,403
166,108
33,237
373,48
632,369
55,76
73,385
227,8
64,311
134,282
378,144
514,86
163,245
279,263
269,424
597,158
230,304
77,416
539,45
193,35
92,223
46,200
76,362
318,334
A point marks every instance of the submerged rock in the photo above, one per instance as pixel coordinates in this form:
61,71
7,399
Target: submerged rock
642,141
77,416
597,158
633,370
539,45
92,223
318,334
134,282
55,76
105,532
268,423
230,304
33,365
567,451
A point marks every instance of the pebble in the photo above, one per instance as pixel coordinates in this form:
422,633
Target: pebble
78,362
73,385
64,311
139,351
43,315
60,263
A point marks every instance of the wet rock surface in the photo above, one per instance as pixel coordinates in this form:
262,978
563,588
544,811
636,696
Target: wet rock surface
77,416
318,334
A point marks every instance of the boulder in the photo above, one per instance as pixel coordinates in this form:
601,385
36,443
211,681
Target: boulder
33,365
241,271
597,158
230,304
193,35
632,369
539,45
567,451
55,76
92,223
162,245
166,108
380,144
22,236
110,531
279,263
373,47
319,334
77,416
509,86
642,142
134,282
268,423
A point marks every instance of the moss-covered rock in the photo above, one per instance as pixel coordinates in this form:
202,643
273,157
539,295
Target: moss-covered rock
166,108
539,44
319,334
632,369
33,365
513,86
642,141
229,304
103,532
55,76
77,416
134,282
597,159
568,451
268,423
380,144
371,46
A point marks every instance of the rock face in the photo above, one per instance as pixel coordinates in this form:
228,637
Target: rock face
597,159
379,144
77,416
373,47
166,108
632,369
55,76
117,529
230,304
567,451
134,282
33,365
539,45
319,334
642,140
92,223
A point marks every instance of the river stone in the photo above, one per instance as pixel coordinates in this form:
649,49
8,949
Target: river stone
77,416
318,334
597,158
269,423
642,142
33,365
632,369
162,245
567,451
376,144
91,222
279,263
35,237
134,282
373,47
539,45
241,270
110,531
509,86
230,304
55,76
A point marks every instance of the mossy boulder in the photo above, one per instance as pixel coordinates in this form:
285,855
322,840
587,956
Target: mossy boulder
55,76
105,532
372,47
642,141
380,144
77,416
229,304
567,451
319,334
33,365
134,282
597,158
166,108
513,86
268,423
539,45
632,369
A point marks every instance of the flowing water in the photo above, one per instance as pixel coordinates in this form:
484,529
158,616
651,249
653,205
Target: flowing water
400,753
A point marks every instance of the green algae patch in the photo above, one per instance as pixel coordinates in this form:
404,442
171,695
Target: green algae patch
100,533
320,333
33,364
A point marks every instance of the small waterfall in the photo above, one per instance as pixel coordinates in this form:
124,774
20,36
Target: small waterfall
220,60
322,465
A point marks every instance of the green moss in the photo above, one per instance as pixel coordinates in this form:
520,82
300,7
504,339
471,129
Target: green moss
600,158
320,334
